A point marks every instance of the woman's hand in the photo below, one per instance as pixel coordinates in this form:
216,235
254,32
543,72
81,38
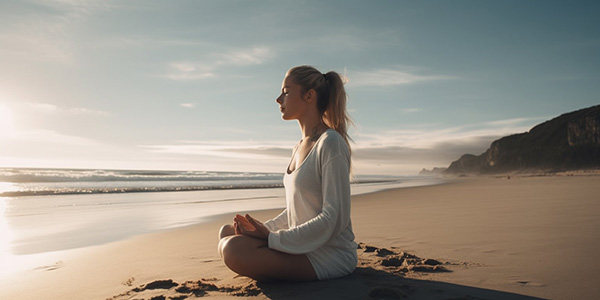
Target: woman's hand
249,226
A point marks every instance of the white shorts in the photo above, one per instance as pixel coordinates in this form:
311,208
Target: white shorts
330,263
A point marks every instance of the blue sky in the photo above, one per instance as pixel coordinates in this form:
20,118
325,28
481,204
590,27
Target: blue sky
191,85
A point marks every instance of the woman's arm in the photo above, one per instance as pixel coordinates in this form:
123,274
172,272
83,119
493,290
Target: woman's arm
279,222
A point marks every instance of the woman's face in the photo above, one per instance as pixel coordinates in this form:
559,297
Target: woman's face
291,101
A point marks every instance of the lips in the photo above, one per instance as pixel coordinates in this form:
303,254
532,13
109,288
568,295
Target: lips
281,109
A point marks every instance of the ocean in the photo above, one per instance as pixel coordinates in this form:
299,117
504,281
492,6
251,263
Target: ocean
17,182
47,210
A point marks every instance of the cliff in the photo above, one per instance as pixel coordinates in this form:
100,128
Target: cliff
568,142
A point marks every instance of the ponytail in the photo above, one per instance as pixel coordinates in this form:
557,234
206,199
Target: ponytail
335,115
331,96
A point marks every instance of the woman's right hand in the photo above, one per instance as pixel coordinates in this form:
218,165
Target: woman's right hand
247,225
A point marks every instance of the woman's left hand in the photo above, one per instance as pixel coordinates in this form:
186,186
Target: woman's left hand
249,226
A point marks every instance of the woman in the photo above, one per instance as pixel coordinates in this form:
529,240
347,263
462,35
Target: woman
312,238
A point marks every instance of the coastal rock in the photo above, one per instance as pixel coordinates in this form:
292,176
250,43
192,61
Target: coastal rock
568,142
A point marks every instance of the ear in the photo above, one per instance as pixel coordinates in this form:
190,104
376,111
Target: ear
310,96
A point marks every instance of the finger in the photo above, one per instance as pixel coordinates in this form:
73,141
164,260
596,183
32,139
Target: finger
236,228
261,230
249,217
239,218
253,221
242,230
244,222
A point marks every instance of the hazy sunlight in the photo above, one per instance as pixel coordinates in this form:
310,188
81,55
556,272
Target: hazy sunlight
6,122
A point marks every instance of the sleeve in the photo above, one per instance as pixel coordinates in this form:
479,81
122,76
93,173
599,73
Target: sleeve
333,218
279,222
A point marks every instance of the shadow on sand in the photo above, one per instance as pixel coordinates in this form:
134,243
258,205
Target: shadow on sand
381,274
369,283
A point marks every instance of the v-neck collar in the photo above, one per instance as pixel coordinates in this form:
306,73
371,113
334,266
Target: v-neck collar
287,171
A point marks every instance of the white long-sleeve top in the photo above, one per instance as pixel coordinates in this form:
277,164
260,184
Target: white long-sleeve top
317,210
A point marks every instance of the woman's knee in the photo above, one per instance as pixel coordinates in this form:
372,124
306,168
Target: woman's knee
234,250
239,254
226,230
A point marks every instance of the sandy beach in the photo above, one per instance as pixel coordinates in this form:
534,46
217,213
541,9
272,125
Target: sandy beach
528,237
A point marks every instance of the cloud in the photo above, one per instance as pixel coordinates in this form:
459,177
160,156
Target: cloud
399,152
408,151
427,138
254,56
407,160
47,144
235,149
187,105
411,110
55,138
51,108
514,122
37,42
393,152
391,77
190,75
216,62
47,34
190,71
45,107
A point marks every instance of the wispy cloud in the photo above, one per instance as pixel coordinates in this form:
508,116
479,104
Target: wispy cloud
411,110
234,149
38,42
55,138
412,150
47,34
189,71
382,152
215,62
51,108
253,56
391,77
432,138
514,122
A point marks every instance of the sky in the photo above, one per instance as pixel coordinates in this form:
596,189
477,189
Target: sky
191,85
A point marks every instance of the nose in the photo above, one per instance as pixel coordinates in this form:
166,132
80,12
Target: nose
278,100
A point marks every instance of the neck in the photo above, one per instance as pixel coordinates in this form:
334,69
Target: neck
311,128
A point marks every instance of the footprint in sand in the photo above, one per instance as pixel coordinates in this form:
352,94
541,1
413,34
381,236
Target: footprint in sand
158,284
402,261
129,281
53,267
530,283
174,290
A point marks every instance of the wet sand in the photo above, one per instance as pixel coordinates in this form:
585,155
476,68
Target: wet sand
472,238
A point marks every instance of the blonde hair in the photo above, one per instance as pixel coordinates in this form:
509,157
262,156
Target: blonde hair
331,96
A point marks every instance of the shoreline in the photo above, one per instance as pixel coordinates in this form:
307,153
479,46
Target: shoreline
37,224
524,238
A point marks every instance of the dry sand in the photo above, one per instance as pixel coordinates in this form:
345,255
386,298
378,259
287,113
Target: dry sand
472,238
